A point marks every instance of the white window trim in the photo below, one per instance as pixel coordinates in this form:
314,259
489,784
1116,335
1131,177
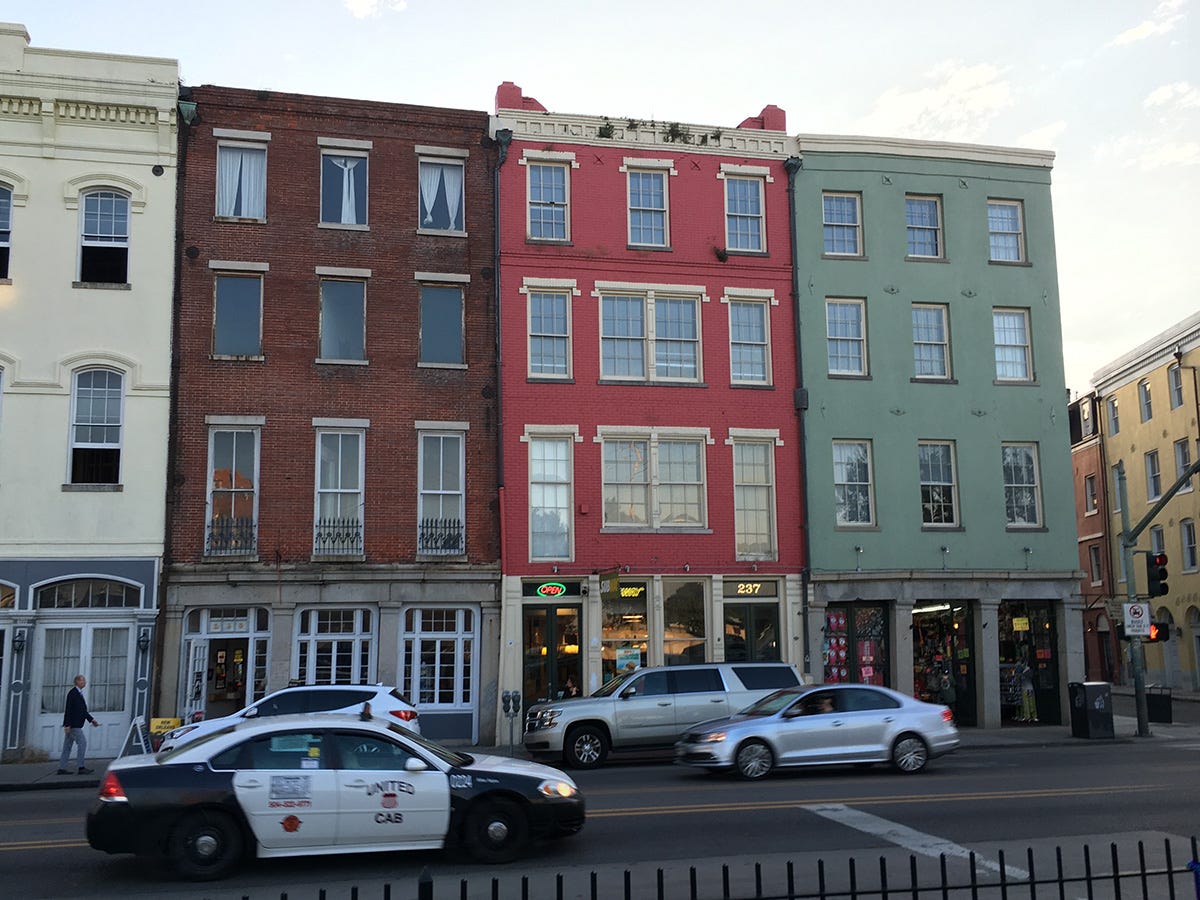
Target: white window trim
442,277
766,297
1028,345
228,265
549,286
565,161
945,344
770,441
548,156
866,360
364,642
1194,563
941,227
763,172
551,432
440,430
932,442
1151,494
664,167
119,446
319,432
754,434
252,425
1174,382
858,226
760,180
1186,443
341,424
334,143
870,482
649,293
1039,510
1145,400
238,134
653,438
1021,254
82,241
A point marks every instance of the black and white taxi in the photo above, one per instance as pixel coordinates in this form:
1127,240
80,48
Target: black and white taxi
300,786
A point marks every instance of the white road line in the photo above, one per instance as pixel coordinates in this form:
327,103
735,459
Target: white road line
908,838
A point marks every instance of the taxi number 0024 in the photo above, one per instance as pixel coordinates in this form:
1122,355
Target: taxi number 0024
460,781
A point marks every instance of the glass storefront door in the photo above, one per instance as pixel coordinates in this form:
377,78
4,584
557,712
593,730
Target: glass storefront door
550,649
751,632
1028,662
855,645
943,661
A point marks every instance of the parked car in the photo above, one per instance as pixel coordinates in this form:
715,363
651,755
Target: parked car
312,785
647,709
822,725
385,701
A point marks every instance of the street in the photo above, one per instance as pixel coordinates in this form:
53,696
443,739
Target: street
646,816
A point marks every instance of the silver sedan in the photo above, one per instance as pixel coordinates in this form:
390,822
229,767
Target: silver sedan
824,724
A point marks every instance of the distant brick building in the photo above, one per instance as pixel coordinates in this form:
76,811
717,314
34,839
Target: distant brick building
333,477
651,469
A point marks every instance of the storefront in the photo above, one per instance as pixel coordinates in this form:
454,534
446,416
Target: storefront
551,622
944,658
1028,636
855,644
751,613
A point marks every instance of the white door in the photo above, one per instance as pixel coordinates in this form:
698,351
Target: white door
289,800
102,653
381,802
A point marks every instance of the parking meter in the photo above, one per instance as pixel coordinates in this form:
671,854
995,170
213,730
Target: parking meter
511,703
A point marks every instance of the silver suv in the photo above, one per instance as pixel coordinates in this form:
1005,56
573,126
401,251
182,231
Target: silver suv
647,709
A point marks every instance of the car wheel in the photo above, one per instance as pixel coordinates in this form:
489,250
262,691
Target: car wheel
496,831
586,748
754,760
205,845
909,754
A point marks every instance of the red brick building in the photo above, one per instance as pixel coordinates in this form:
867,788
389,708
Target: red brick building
651,453
332,514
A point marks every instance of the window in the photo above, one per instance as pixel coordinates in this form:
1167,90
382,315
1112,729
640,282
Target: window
749,356
1116,488
626,343
439,657
754,499
1187,539
104,250
549,334
923,218
333,646
1153,476
1090,500
1094,568
96,414
842,223
648,208
847,336
852,493
441,475
743,213
1022,491
343,319
550,497
1145,407
232,528
939,491
442,324
1175,385
684,625
343,188
241,181
1006,237
6,205
931,341
653,481
338,529
1183,459
237,315
1157,543
89,593
441,196
549,193
1114,419
1011,330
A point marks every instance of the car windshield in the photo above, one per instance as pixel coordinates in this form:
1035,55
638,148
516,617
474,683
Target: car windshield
445,754
611,687
771,704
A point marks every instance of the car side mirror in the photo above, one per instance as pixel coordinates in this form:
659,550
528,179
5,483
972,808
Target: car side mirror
628,692
251,713
413,764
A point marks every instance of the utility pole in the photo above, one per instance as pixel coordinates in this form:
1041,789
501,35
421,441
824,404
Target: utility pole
1129,538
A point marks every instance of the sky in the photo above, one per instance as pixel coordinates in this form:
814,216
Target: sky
1112,88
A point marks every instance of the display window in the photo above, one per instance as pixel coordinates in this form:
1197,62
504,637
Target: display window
855,644
1029,692
944,658
624,630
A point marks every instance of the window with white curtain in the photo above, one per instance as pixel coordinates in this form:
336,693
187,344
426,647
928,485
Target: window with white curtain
343,188
241,181
441,196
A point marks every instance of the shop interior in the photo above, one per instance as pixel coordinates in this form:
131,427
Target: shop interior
943,664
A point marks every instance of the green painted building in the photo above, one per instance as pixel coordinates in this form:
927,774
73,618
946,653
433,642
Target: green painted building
940,510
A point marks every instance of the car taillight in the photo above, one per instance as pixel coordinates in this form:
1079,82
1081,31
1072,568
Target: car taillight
405,715
111,789
947,715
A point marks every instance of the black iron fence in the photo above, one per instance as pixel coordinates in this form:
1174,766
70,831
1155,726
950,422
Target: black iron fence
440,537
1153,874
338,537
231,537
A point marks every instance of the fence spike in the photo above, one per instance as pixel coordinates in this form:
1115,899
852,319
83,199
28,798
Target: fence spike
1116,872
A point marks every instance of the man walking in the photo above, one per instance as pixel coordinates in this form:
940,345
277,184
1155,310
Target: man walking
74,717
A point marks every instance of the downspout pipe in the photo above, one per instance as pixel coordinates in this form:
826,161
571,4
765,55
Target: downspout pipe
792,165
503,138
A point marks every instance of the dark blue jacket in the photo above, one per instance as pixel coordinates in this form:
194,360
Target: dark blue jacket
76,712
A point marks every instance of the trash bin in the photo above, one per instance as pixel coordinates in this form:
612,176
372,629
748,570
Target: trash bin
1091,709
1158,704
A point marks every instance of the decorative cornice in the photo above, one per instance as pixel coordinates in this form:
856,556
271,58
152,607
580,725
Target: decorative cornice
886,146
75,111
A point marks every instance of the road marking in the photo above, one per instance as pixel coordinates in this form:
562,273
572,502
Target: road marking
42,845
24,823
908,838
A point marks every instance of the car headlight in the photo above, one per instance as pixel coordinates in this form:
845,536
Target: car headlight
555,789
547,717
712,737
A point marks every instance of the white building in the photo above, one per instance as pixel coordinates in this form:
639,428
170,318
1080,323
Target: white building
87,223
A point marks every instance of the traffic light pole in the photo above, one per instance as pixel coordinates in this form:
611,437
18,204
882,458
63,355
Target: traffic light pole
1129,537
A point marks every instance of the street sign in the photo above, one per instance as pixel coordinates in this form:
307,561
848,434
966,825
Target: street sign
1137,619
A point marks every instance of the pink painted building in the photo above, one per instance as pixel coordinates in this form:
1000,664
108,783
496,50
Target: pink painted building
651,496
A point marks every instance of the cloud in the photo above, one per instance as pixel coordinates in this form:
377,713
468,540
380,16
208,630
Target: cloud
1165,17
1149,153
1044,138
1179,95
957,104
362,9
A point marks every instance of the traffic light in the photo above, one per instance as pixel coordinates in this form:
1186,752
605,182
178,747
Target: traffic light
1156,574
1159,632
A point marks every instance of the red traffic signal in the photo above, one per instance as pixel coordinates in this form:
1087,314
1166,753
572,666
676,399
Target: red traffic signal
1159,631
1156,574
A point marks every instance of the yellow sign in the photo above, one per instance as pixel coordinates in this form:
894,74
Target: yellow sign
162,726
1020,623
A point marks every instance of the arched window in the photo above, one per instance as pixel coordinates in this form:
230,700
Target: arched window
97,398
104,238
6,205
89,593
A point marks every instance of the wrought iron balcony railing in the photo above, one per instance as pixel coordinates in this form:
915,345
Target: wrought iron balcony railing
338,537
231,537
440,537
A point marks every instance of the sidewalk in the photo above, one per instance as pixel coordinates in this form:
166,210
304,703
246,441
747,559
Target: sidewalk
42,776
